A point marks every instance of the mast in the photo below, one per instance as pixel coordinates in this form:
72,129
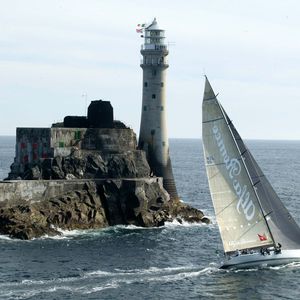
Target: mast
247,171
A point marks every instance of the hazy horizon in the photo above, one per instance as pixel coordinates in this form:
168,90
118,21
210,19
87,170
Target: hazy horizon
200,138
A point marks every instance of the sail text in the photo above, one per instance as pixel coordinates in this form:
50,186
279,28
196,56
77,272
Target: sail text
234,168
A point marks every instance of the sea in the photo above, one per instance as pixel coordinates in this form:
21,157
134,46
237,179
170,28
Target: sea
176,261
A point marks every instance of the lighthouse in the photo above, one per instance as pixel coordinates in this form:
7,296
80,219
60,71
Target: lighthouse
153,136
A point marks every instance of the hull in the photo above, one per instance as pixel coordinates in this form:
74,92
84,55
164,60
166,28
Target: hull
256,259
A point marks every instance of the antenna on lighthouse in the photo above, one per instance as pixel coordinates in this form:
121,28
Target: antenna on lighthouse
84,96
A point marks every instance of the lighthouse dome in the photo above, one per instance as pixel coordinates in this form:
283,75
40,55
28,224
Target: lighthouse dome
153,25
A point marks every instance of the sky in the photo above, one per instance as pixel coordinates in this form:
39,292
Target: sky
57,55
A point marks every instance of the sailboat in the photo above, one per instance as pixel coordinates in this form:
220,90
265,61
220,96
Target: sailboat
255,227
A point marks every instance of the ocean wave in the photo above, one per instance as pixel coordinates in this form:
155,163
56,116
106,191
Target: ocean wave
88,282
26,294
138,272
37,282
66,234
117,273
183,275
100,288
175,223
5,238
132,275
70,234
81,290
293,265
153,274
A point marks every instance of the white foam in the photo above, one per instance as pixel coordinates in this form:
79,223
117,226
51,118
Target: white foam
25,294
74,233
51,237
112,285
65,234
175,223
32,282
254,269
98,273
169,273
213,220
153,270
50,281
290,265
69,234
5,237
153,273
184,275
266,267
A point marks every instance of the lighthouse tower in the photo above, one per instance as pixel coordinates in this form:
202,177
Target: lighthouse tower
153,130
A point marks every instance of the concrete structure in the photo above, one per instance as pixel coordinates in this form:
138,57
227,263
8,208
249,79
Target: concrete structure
34,144
100,114
153,131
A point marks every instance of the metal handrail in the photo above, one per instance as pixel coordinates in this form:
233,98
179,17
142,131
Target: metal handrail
154,47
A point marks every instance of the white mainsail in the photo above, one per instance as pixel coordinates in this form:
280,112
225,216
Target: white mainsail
239,213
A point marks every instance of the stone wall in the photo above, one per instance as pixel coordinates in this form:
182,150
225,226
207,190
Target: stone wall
109,140
101,139
34,144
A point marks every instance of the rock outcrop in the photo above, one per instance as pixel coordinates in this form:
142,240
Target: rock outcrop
87,164
140,202
83,178
81,209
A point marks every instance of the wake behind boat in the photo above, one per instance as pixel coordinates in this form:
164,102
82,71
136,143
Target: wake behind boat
256,229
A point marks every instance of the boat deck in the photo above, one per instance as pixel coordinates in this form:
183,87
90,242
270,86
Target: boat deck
258,259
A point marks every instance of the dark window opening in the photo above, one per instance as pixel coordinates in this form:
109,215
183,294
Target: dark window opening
153,96
154,72
162,84
145,108
146,84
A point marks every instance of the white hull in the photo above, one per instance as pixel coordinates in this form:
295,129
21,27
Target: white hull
258,260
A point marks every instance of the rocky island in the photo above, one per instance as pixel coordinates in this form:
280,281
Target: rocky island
84,173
